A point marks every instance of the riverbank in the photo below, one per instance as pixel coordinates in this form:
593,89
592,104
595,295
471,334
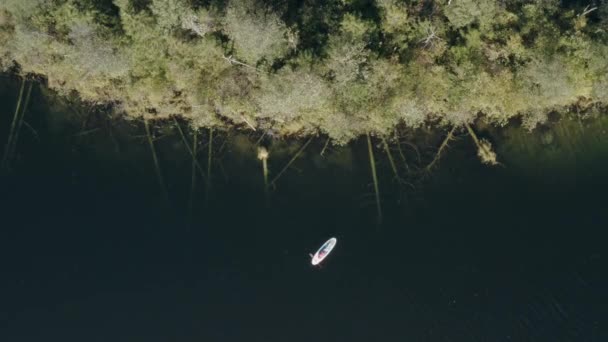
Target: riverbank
341,69
404,166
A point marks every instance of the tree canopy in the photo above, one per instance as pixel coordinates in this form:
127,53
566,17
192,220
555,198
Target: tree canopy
340,67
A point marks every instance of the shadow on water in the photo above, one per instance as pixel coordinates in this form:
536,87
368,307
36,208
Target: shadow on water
90,251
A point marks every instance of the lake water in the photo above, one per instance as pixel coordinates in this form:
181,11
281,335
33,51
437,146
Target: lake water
91,249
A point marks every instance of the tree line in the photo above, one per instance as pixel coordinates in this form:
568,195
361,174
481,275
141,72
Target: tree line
339,67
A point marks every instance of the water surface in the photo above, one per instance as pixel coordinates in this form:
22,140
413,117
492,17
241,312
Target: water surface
91,250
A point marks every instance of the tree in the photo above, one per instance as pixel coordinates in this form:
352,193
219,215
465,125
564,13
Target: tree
291,94
396,23
256,33
173,15
92,55
355,72
21,9
461,13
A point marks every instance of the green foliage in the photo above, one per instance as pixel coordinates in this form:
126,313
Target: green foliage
256,32
6,35
92,55
175,15
169,14
461,13
603,15
344,68
291,94
21,9
347,51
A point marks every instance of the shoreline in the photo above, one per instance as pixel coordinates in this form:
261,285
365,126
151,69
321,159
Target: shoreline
363,70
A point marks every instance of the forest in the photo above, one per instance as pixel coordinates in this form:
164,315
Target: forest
342,68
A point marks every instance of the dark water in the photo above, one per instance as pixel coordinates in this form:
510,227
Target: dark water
90,250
